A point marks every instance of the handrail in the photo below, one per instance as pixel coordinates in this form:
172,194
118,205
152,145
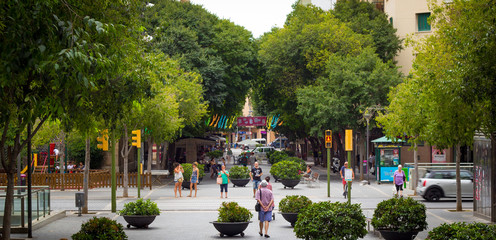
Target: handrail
19,214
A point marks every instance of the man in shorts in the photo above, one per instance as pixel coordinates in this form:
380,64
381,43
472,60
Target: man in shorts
255,175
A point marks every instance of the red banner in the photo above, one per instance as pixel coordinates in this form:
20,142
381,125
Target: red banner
251,121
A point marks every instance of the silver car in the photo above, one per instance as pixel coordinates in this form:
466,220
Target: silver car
438,184
260,153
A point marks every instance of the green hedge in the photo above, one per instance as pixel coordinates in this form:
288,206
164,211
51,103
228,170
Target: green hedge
232,212
326,220
463,231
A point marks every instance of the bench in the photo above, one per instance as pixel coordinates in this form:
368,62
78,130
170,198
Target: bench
157,174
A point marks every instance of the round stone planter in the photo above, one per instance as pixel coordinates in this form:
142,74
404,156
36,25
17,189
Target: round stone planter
393,235
240,182
290,217
231,228
276,179
290,183
139,221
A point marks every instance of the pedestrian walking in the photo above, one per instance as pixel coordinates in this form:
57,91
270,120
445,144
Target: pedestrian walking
194,179
399,178
178,178
255,176
224,174
266,199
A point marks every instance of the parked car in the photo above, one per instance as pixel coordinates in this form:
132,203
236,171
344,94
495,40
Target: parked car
438,184
279,143
248,144
260,153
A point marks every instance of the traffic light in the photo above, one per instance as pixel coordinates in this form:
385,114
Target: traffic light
328,139
103,141
136,138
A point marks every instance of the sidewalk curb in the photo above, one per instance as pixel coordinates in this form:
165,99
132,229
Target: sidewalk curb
54,216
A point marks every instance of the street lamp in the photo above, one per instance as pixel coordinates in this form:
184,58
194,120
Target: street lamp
367,115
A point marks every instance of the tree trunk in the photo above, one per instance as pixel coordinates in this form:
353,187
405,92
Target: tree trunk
8,206
458,182
87,160
62,166
125,155
415,179
150,155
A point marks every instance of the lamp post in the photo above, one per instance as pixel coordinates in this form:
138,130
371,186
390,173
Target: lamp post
367,115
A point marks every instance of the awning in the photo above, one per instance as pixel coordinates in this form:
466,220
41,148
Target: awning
386,140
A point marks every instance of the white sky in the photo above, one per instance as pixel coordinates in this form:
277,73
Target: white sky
257,16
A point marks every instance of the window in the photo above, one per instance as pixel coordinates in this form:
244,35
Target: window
422,24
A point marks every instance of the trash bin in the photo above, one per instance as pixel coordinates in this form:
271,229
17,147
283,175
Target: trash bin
79,199
23,181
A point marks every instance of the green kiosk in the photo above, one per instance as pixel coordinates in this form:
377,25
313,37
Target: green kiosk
387,158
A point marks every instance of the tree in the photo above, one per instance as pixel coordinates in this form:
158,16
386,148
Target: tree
364,18
447,107
51,58
221,52
296,56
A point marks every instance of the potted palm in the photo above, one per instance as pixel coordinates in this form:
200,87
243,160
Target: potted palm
140,213
287,172
239,176
399,218
290,206
233,219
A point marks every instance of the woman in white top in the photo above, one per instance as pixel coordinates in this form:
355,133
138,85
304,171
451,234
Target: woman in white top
178,178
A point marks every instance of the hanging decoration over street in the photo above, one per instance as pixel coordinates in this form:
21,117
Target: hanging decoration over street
220,121
226,122
273,122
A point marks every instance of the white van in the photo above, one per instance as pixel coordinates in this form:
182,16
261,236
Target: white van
262,141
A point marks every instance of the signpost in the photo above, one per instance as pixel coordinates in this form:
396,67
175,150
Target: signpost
349,147
328,145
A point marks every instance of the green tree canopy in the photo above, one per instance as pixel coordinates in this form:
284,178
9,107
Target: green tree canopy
223,53
350,85
364,18
296,56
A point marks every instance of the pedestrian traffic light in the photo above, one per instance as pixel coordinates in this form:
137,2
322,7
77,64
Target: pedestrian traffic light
103,140
136,138
328,139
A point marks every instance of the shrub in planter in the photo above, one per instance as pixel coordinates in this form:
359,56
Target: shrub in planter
232,212
215,154
289,153
463,231
400,214
286,170
302,163
140,207
188,169
276,157
294,203
326,220
239,172
100,228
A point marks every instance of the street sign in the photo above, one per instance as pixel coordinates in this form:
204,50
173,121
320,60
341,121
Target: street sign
348,139
328,139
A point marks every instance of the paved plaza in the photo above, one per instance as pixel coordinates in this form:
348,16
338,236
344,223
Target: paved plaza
189,218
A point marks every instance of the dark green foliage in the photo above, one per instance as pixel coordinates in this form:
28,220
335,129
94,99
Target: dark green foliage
286,170
222,52
277,156
215,154
289,153
463,231
400,214
101,229
294,203
232,212
188,170
326,220
364,18
140,207
239,172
